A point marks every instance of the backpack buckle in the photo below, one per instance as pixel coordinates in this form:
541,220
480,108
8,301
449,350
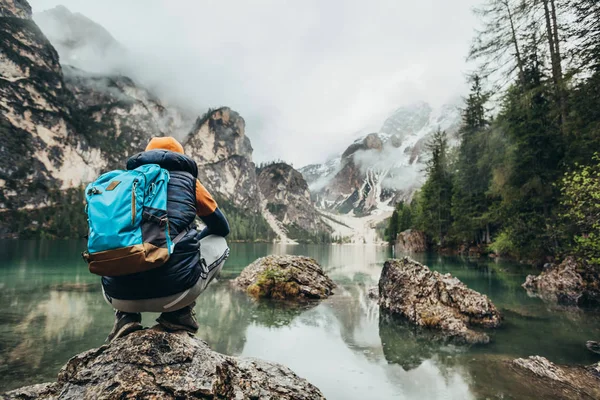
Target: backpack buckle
93,190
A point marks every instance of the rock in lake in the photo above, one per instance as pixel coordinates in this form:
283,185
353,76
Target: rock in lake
569,283
285,277
411,241
152,364
592,346
430,299
565,382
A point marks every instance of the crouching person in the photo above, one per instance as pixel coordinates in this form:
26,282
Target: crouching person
196,258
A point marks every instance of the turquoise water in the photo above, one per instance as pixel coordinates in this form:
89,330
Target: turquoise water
51,309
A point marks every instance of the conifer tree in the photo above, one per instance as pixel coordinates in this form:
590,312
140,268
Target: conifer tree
436,194
472,179
497,46
585,32
400,221
533,163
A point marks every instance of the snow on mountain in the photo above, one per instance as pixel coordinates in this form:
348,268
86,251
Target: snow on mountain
317,174
406,121
382,168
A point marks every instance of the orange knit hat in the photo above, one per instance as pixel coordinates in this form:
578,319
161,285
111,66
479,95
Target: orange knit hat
165,143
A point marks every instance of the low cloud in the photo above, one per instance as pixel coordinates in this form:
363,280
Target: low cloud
391,166
306,76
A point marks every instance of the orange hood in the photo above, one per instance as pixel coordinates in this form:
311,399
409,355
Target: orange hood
165,143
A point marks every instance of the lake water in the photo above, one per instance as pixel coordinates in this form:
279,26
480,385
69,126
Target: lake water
342,344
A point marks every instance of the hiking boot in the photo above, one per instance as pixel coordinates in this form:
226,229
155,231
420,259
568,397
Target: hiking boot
180,320
125,323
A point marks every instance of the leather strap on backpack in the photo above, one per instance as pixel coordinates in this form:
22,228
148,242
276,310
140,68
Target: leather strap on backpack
178,238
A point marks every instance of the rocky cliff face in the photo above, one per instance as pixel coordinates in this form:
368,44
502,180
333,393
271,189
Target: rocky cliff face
223,152
288,199
346,185
377,171
41,147
117,116
122,113
16,9
62,126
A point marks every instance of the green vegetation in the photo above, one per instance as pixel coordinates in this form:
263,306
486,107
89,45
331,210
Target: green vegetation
274,283
433,209
580,203
267,164
64,217
524,182
503,244
303,236
401,220
205,117
245,225
381,229
277,210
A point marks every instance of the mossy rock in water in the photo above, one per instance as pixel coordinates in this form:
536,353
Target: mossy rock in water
285,278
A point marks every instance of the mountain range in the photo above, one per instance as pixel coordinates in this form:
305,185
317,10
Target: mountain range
382,168
61,126
69,112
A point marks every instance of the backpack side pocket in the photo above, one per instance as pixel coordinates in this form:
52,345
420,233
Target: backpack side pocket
154,235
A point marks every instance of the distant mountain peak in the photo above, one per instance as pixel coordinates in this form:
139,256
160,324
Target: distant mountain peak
379,169
80,41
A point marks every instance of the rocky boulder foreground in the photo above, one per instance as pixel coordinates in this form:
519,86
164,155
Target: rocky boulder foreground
160,365
285,278
565,382
432,300
568,283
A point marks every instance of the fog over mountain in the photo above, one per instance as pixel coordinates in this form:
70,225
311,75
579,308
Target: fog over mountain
308,77
386,166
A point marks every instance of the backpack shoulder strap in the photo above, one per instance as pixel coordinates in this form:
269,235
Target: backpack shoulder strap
178,238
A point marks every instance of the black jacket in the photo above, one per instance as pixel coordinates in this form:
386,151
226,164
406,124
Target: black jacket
183,269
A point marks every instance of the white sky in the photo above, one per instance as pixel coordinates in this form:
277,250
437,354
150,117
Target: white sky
307,75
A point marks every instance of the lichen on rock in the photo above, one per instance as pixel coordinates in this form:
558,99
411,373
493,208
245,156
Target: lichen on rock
429,299
285,278
161,365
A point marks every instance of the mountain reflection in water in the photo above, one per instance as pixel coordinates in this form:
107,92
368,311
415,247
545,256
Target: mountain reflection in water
51,309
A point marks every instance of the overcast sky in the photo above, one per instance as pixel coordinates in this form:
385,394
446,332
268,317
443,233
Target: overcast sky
307,75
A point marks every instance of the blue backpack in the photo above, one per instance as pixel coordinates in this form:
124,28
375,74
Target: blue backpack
127,219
